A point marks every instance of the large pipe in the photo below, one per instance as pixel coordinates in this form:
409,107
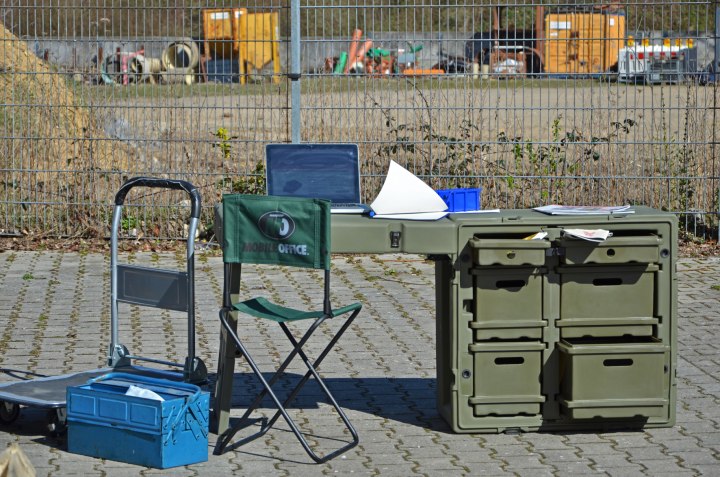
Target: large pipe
140,67
181,54
177,75
496,21
354,45
360,56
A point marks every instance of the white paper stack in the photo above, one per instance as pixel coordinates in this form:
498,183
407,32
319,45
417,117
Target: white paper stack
584,209
405,196
593,235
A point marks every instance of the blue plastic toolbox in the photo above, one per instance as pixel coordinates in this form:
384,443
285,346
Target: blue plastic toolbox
105,422
461,200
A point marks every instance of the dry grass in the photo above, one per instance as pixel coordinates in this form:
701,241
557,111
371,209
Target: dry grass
54,150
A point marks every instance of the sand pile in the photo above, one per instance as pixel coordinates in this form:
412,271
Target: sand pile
53,145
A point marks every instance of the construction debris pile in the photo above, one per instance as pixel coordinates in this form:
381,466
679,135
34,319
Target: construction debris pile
235,44
177,65
362,59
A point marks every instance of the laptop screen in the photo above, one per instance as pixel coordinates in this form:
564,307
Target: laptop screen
323,171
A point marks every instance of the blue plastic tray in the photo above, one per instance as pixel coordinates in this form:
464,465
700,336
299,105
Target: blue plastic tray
461,200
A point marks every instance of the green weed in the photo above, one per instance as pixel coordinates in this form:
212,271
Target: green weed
224,143
253,183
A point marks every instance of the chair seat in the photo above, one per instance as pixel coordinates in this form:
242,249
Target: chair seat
260,307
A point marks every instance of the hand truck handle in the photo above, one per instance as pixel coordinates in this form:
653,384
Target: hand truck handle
165,184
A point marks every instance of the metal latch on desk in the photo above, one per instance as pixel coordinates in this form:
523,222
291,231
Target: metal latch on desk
555,252
395,239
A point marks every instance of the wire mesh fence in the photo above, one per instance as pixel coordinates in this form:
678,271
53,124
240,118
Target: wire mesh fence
536,102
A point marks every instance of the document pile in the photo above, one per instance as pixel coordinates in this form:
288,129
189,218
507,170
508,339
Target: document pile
584,209
593,235
405,196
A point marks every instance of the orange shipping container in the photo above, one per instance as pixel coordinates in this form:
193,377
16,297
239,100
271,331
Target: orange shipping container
615,34
582,42
560,46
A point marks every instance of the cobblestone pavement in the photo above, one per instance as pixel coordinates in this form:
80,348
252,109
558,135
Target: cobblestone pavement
55,320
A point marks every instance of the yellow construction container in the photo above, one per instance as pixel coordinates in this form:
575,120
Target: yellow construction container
249,38
584,43
260,32
221,31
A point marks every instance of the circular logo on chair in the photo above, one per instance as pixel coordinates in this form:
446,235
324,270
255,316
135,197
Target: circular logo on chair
276,225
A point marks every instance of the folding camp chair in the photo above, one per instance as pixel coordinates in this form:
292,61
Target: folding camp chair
287,231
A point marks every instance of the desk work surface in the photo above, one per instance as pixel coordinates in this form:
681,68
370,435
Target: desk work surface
363,234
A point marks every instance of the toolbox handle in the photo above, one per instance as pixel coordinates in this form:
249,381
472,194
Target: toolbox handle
147,380
164,184
187,406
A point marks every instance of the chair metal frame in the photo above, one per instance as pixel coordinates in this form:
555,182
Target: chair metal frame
232,272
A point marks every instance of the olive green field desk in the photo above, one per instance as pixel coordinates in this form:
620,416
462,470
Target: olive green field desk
551,334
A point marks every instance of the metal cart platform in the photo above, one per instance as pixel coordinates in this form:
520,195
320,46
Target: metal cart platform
152,287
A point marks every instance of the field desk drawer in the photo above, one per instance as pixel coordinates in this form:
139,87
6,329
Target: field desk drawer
614,379
613,250
508,302
507,378
540,331
604,301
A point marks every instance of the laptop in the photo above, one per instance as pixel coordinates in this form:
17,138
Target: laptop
321,171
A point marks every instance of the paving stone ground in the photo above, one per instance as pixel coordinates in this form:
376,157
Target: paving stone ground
54,319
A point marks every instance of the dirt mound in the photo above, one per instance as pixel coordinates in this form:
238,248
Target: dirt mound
54,146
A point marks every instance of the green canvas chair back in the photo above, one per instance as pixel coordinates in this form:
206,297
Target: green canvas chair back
289,231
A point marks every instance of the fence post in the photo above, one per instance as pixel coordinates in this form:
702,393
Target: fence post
715,72
716,62
295,71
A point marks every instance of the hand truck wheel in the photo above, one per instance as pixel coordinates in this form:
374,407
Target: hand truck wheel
57,422
9,411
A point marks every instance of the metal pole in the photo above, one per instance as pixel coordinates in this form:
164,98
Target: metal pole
295,71
715,72
716,62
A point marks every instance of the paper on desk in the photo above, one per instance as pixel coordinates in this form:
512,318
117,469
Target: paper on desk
584,209
481,211
405,196
415,216
593,235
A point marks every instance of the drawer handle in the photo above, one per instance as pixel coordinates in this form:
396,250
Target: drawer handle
511,360
610,252
510,283
511,255
604,282
618,362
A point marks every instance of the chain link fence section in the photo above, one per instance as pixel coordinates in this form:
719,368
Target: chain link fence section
536,102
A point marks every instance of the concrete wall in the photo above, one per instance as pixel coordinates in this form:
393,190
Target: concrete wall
80,54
